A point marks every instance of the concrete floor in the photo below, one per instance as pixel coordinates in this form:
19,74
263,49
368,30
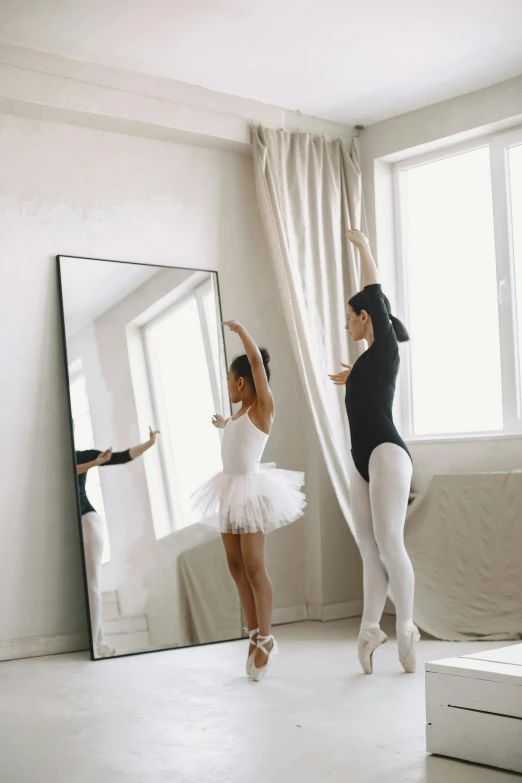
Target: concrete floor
190,715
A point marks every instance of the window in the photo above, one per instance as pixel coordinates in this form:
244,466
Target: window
515,182
460,270
83,440
183,358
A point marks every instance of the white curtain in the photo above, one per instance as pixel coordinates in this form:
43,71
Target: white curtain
464,537
309,193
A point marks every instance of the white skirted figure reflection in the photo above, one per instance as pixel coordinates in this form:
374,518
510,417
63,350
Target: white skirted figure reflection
381,467
93,531
134,334
249,499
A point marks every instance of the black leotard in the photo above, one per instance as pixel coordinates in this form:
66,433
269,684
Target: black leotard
370,388
118,458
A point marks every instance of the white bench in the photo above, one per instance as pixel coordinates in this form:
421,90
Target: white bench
474,707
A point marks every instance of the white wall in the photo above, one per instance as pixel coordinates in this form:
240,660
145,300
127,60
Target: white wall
83,192
486,111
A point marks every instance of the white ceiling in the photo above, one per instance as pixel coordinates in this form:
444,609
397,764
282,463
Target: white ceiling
90,287
353,62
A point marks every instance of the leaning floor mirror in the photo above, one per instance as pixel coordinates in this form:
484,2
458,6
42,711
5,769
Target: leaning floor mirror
146,371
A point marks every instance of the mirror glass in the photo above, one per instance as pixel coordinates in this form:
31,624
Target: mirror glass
146,371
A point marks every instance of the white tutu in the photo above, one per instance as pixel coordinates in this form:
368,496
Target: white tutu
251,502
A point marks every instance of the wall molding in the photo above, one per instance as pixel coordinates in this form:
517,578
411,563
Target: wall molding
59,644
338,611
38,646
342,611
290,614
44,86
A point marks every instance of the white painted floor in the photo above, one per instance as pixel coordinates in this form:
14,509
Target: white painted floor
188,716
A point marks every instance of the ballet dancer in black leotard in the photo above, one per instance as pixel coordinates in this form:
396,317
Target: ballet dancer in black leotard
92,529
381,466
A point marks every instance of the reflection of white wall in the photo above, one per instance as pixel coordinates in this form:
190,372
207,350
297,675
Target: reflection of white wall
95,287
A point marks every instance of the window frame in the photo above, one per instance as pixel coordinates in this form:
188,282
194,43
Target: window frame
197,292
498,145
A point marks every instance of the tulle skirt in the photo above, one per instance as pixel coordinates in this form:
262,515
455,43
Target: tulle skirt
252,502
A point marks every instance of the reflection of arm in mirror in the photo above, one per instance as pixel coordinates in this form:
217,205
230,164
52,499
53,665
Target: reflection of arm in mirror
137,451
85,460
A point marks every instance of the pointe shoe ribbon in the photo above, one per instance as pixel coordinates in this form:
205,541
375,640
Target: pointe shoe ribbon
252,655
258,674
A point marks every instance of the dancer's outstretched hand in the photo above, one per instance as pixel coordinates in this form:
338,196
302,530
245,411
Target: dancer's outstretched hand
153,434
341,377
104,457
358,239
218,421
232,325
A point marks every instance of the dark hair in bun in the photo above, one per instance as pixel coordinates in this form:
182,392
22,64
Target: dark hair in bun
242,369
360,302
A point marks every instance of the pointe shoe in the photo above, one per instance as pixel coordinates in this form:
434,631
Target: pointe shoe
409,661
258,674
366,652
250,659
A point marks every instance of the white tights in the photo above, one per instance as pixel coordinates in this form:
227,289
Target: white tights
92,527
379,512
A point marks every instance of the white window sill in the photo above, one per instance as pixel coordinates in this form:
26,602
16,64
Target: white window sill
443,440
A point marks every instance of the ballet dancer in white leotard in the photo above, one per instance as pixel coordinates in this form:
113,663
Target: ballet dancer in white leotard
248,499
381,467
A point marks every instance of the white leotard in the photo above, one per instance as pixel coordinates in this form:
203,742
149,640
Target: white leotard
242,446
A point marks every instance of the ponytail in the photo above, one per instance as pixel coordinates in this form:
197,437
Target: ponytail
360,302
400,330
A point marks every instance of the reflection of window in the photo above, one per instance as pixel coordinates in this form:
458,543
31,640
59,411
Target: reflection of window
83,440
460,263
183,358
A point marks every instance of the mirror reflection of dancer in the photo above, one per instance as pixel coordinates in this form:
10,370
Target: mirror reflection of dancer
248,500
381,466
92,529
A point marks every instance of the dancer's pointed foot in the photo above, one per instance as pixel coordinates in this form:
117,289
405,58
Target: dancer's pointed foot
266,648
407,638
370,638
252,648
